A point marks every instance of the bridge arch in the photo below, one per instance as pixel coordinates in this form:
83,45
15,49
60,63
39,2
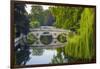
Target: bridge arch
47,30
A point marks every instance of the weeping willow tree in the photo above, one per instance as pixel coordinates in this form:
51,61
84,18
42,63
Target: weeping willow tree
66,17
81,46
81,20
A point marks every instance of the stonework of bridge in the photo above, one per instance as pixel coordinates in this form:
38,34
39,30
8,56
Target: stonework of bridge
48,30
54,42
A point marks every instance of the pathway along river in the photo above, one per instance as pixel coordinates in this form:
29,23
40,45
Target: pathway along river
32,55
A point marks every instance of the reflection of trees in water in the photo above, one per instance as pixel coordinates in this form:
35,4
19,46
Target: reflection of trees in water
60,57
22,56
37,51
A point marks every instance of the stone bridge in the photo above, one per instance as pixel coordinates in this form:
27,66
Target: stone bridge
47,30
44,30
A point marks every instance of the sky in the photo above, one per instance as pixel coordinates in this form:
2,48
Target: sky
28,7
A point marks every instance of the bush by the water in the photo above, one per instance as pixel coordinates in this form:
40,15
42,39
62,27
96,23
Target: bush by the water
31,38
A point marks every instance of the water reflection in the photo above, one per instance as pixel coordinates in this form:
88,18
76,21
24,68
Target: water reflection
47,54
36,51
59,57
45,58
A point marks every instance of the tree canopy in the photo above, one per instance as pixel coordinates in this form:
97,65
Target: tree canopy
21,21
66,17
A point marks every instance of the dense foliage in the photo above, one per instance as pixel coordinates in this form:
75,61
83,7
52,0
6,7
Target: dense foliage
81,45
80,20
21,21
66,17
39,17
36,16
